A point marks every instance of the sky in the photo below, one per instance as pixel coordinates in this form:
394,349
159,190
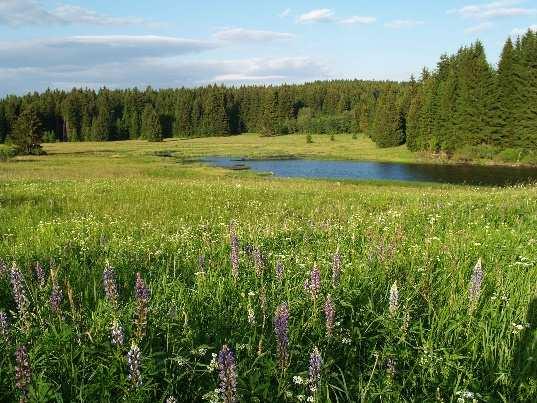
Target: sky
173,43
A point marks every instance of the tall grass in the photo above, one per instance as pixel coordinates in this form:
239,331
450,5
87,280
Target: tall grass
432,336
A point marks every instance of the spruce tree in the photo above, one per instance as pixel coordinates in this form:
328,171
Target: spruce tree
151,128
388,129
27,132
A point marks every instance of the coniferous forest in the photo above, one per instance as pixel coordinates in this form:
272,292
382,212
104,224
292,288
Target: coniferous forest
463,104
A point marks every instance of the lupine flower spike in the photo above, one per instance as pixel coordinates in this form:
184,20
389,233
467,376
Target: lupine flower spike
336,269
313,284
394,299
19,294
116,334
281,328
23,373
279,270
314,371
142,300
133,360
4,326
234,254
475,284
329,313
258,262
227,374
110,285
40,275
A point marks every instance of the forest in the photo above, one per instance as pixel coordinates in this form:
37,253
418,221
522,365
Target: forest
464,104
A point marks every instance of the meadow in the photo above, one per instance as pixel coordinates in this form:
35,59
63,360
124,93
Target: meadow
254,288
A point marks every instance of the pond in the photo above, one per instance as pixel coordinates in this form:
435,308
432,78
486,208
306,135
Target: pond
361,170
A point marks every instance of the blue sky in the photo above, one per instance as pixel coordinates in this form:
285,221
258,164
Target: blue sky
164,43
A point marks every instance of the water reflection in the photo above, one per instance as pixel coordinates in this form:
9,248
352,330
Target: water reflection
457,174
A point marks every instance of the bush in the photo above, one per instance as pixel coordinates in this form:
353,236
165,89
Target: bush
512,155
7,152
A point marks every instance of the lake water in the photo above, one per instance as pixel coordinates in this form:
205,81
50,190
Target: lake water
361,170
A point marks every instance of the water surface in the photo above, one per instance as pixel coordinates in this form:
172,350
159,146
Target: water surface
362,170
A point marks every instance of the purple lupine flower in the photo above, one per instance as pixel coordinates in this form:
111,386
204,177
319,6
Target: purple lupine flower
394,299
23,372
4,325
134,363
40,274
279,270
336,268
314,371
56,297
475,283
228,375
110,285
329,313
142,299
234,254
258,262
281,328
313,284
117,335
19,294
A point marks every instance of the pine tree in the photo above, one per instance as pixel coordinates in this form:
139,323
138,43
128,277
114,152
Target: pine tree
28,132
388,130
270,114
151,128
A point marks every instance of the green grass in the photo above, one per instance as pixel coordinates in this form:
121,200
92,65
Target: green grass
88,203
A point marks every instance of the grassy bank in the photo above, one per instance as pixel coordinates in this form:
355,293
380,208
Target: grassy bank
85,204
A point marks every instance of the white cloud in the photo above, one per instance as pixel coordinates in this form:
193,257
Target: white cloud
249,35
16,13
91,50
522,31
498,9
356,19
285,13
319,15
402,24
483,26
127,61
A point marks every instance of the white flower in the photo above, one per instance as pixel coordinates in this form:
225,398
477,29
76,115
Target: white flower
310,399
346,340
298,380
300,398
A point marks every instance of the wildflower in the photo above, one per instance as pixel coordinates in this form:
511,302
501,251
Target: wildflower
313,284
394,299
336,268
213,365
258,262
390,367
314,371
56,296
346,340
227,375
300,398
4,325
234,255
475,283
133,360
116,334
329,313
40,275
281,328
23,373
171,399
3,268
19,294
110,286
279,270
251,315
298,380
141,290
263,299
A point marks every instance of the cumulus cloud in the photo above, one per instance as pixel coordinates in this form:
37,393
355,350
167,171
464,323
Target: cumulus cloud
249,35
522,31
498,9
318,15
127,61
402,24
356,19
17,13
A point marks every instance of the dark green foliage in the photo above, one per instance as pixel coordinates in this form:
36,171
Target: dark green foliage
389,123
151,128
28,132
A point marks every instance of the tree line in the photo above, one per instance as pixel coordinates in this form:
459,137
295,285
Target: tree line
463,104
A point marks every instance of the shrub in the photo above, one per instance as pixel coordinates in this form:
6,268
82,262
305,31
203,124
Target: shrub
7,152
